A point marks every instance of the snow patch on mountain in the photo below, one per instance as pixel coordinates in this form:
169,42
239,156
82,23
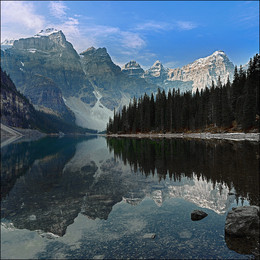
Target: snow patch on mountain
8,42
95,117
46,32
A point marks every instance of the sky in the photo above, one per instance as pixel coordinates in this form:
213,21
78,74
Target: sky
174,32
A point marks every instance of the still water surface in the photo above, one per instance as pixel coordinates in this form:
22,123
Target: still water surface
98,198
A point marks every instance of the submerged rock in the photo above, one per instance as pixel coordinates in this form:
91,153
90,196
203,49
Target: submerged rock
243,222
185,234
198,215
149,235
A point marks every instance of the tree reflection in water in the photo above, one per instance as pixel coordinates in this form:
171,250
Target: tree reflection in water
235,164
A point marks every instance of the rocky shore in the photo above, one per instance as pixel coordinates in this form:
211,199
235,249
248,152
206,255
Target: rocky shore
255,137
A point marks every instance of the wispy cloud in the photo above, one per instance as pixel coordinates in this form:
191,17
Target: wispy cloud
153,26
247,15
20,14
58,9
185,25
157,26
19,18
132,40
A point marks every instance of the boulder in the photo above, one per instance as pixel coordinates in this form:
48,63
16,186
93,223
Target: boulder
243,222
198,215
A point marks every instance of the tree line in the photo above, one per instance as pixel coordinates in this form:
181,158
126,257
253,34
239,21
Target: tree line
222,106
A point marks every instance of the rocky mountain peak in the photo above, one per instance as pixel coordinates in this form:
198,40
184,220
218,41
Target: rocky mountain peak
157,71
157,64
93,51
133,69
131,64
97,56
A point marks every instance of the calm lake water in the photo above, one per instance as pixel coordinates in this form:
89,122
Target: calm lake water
98,198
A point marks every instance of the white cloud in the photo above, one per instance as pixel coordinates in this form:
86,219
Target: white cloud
165,26
185,25
154,26
58,9
132,40
19,18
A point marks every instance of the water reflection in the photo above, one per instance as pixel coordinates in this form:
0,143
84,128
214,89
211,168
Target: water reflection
225,164
71,185
43,192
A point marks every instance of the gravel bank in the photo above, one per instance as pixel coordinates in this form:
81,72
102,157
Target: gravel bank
255,137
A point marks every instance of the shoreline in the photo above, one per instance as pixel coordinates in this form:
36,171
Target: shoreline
254,137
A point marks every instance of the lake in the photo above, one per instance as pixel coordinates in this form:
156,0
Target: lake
98,198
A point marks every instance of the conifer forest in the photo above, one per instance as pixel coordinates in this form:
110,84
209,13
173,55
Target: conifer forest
232,105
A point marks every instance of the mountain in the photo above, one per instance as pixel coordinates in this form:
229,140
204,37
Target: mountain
7,44
157,73
133,69
196,75
205,70
17,111
90,84
85,88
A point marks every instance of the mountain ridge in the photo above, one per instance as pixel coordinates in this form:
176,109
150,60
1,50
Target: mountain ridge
90,83
195,75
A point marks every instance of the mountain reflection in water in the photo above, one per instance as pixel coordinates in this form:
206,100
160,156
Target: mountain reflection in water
47,184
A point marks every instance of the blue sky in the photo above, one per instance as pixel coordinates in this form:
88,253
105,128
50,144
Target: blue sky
174,32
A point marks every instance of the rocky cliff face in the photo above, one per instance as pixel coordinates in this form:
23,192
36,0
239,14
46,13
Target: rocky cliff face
112,89
15,108
46,96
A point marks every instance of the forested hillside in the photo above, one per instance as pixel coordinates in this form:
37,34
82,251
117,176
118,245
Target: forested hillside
232,106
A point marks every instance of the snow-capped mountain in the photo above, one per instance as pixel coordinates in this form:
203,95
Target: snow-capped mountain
91,85
196,75
205,70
